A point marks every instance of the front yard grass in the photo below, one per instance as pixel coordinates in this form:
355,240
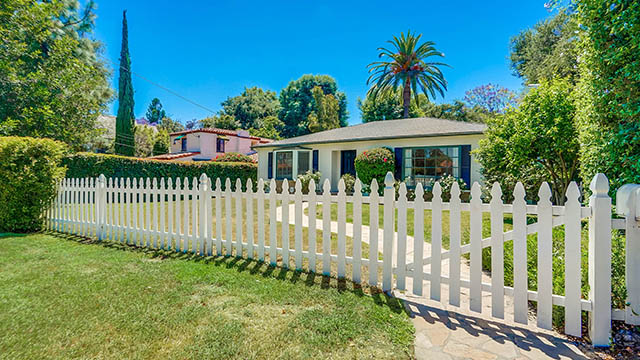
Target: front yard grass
71,297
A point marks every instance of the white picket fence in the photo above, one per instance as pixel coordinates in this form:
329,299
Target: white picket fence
189,216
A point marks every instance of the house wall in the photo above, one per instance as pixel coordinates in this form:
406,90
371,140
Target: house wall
205,143
329,153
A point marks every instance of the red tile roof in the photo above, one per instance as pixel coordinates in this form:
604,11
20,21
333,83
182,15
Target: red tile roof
221,132
173,156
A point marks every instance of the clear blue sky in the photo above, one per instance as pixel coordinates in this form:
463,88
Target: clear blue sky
207,51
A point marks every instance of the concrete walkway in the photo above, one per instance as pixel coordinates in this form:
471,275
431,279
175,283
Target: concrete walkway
448,332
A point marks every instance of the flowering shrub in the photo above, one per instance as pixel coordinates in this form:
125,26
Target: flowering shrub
305,179
234,157
374,164
446,182
349,183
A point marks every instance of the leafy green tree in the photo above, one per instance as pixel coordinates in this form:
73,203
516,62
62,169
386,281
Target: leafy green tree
407,67
155,112
125,139
296,103
253,104
220,121
457,110
53,82
270,127
538,138
144,140
162,142
326,113
548,50
170,125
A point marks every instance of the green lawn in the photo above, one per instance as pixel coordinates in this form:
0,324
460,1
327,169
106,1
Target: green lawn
69,298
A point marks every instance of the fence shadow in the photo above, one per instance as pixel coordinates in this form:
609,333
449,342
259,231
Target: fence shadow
254,267
471,331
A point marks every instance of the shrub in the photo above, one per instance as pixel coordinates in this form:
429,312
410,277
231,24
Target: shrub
29,172
374,164
113,166
349,183
305,179
234,157
446,182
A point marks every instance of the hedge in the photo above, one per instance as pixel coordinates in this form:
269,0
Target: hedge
82,165
234,157
29,172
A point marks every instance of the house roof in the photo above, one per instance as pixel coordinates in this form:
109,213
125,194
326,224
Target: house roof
174,156
388,129
243,134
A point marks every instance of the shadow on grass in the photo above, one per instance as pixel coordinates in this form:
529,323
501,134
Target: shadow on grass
254,267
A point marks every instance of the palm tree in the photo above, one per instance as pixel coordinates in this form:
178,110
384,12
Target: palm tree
407,66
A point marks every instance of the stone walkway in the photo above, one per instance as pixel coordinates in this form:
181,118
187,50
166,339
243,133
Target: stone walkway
446,332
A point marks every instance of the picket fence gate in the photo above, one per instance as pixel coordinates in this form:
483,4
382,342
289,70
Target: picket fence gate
163,214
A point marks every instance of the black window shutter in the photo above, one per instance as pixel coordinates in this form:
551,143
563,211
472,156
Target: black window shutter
398,172
315,160
465,164
270,166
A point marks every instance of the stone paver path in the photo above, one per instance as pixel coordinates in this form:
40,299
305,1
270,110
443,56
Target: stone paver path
447,332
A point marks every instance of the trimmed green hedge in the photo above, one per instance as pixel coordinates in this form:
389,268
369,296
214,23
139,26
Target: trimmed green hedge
29,172
82,165
234,157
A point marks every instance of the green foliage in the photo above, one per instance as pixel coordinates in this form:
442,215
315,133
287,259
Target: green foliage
220,121
547,51
446,182
326,113
491,97
155,112
29,173
144,140
409,67
53,83
349,183
270,127
162,142
296,103
454,111
82,165
536,142
234,157
306,178
251,106
170,125
125,126
374,164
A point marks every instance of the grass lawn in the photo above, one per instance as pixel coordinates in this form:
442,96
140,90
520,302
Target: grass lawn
69,297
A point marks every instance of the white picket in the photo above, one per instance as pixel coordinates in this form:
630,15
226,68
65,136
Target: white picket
249,201
162,213
82,204
186,215
273,223
195,244
545,257
285,223
208,217
228,217
239,217
374,199
74,206
218,195
497,252
261,229
298,224
154,212
312,225
475,238
147,209
520,285
357,232
436,243
572,265
326,228
454,245
342,232
388,233
401,254
203,216
128,215
135,208
122,203
170,215
111,210
178,213
418,240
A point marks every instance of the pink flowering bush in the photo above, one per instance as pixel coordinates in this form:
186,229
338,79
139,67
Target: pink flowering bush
374,164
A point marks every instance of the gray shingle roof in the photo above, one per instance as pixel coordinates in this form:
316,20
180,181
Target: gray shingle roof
388,129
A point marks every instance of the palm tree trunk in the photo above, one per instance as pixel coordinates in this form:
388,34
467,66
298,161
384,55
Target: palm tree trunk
406,98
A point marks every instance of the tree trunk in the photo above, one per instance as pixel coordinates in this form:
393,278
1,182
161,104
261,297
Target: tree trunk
406,97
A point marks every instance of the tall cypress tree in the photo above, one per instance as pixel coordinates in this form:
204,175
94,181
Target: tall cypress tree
125,144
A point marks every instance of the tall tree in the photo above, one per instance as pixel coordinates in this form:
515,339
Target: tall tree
253,104
407,66
269,127
492,98
53,81
296,102
125,121
155,112
220,121
326,114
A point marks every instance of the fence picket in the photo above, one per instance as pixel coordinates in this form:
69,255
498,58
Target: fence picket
475,238
418,240
273,224
194,216
170,215
285,223
261,229
122,203
178,213
228,213
326,227
137,218
497,252
218,217
203,216
186,216
545,257
298,224
573,268
436,243
357,232
388,233
401,257
147,211
250,244
239,217
520,285
342,223
209,217
162,213
312,225
454,245
374,199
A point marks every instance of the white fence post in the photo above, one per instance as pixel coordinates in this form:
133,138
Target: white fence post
632,254
600,261
387,241
101,206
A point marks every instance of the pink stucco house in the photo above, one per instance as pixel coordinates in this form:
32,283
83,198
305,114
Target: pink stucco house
206,144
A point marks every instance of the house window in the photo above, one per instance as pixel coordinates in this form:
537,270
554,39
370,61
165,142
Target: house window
423,163
303,162
284,165
184,144
220,145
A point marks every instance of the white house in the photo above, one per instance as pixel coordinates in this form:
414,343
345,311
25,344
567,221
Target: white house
424,148
206,144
